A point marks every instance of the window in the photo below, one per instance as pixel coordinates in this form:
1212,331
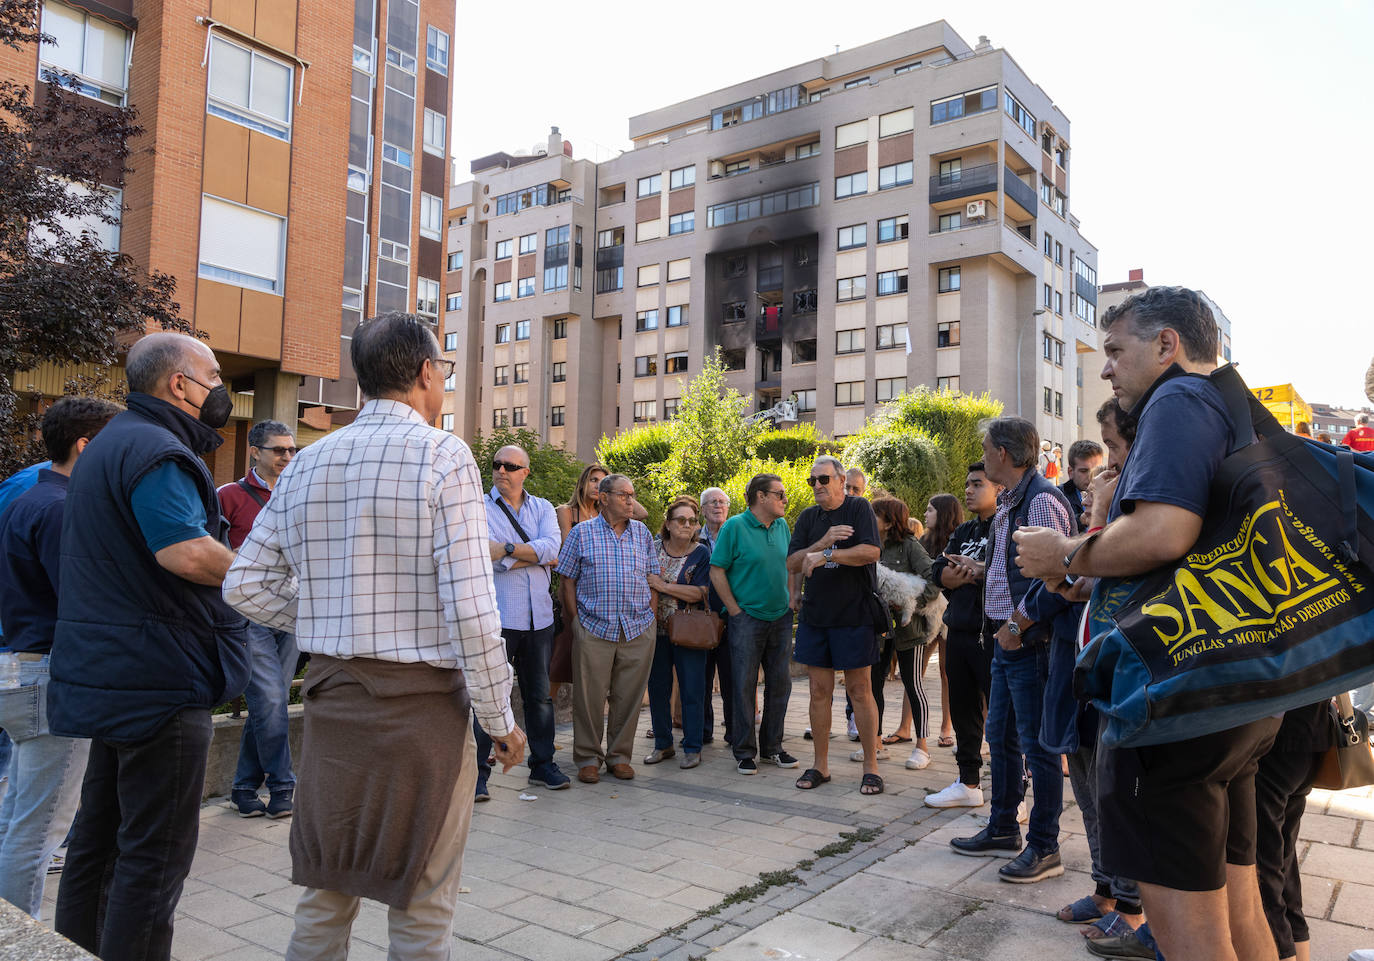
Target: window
763,205
893,228
886,388
855,236
525,287
95,50
951,171
1058,404
963,105
906,67
610,278
670,406
1048,401
804,352
396,155
1046,295
675,363
849,341
560,329
679,269
805,150
683,223
451,341
503,249
736,267
849,393
947,335
1059,303
950,222
447,421
947,383
450,383
431,216
677,316
454,301
1061,156
646,320
240,245
646,365
500,418
455,260
518,417
556,277
682,177
556,415
855,83
522,330
502,291
804,301
436,49
806,400
426,296
249,88
891,335
645,410
614,237
503,333
898,121
849,134
1047,245
648,186
891,282
895,175
502,375
560,371
1022,117
528,243
1059,253
769,275
1059,203
734,312
1046,192
737,167
851,288
949,280
1059,354
851,185
1046,346
522,373
436,133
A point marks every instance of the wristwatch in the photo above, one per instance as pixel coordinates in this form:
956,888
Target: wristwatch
827,552
1012,628
510,548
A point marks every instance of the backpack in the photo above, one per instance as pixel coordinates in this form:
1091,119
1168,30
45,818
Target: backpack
1271,609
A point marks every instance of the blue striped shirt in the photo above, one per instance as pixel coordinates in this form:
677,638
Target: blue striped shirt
522,595
613,599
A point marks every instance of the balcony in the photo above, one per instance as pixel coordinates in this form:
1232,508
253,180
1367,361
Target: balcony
1019,192
609,257
965,183
1085,289
768,327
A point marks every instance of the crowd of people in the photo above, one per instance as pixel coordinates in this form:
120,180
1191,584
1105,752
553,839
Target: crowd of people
420,600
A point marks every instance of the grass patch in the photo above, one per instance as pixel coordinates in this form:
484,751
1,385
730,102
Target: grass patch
847,841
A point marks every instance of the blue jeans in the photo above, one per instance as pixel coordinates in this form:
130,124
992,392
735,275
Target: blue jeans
45,785
134,839
528,652
1015,707
753,643
718,664
265,750
691,685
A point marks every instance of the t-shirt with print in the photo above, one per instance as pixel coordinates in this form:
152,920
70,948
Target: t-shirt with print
838,596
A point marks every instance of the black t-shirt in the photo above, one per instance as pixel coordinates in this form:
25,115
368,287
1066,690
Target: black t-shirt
838,596
965,610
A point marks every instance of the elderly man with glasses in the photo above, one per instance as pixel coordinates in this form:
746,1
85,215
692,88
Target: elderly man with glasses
524,546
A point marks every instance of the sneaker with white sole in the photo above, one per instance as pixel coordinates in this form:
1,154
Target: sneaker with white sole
853,730
957,795
919,760
858,755
747,766
782,759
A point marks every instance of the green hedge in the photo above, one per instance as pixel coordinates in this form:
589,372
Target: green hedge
634,452
553,471
904,461
793,474
798,442
949,418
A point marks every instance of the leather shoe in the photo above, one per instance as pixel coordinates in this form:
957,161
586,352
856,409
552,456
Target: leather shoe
589,774
623,771
659,754
985,845
1030,866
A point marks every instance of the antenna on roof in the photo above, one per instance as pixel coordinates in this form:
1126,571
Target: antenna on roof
837,48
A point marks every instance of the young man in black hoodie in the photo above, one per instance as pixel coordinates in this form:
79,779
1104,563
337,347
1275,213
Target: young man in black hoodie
959,570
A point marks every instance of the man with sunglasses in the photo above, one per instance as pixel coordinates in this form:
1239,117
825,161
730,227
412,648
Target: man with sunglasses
265,749
833,550
524,545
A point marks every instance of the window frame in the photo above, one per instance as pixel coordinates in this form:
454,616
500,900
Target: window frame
852,245
649,186
88,85
897,278
246,115
434,63
897,174
900,226
949,280
646,320
855,291
892,341
434,121
853,344
680,177
891,382
431,222
851,182
847,388
522,330
680,312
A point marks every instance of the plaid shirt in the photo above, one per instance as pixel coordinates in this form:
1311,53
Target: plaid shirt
613,600
375,544
1045,511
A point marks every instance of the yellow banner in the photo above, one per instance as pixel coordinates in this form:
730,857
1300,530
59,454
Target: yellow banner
1285,404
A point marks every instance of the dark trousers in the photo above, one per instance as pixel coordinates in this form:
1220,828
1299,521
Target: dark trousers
528,652
911,684
766,643
718,665
690,667
133,841
1282,784
968,669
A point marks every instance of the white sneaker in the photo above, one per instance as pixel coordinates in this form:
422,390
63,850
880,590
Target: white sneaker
957,795
1022,813
919,759
1363,954
853,731
858,755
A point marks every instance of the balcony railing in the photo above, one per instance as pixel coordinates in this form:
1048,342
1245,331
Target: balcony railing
607,257
966,183
1085,289
1020,192
769,323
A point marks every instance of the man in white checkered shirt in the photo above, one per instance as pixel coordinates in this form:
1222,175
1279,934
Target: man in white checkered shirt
374,550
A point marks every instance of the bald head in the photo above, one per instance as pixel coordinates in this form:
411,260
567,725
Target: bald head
154,359
514,454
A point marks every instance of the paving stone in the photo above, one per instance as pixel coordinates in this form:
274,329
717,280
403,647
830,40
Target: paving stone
1354,903
888,949
630,906
194,940
790,897
490,894
542,944
696,898
621,935
245,880
270,931
642,882
708,876
1331,861
221,908
792,937
1327,828
722,933
568,918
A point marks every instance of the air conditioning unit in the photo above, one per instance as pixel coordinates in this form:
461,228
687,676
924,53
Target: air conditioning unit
976,210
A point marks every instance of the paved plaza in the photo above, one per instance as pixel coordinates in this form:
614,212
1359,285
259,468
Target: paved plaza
706,863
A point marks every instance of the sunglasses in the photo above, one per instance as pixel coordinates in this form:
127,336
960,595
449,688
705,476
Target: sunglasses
823,480
507,466
689,521
780,495
280,450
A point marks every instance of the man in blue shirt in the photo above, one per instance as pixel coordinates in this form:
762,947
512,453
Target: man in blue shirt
604,567
524,545
45,770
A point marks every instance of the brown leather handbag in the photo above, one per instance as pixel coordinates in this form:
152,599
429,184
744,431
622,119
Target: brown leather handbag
698,630
1349,762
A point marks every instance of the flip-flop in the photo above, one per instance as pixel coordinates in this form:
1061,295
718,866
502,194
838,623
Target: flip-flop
946,740
1082,911
896,739
871,781
811,778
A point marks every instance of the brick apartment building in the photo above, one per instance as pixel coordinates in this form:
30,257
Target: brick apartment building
812,223
291,176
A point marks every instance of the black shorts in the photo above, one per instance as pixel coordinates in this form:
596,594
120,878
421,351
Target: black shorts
1176,814
841,648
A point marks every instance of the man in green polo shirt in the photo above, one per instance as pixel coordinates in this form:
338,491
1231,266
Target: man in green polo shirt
749,572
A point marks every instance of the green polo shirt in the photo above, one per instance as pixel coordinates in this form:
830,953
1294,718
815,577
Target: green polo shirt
754,559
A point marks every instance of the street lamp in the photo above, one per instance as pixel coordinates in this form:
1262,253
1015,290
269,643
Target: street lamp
1020,334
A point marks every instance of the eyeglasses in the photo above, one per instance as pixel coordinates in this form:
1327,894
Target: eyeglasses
852,489
822,480
780,495
507,466
279,451
628,495
445,365
688,521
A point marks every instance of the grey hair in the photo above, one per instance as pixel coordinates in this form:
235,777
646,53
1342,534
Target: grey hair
388,351
713,490
1179,309
155,358
1362,419
264,429
834,463
1015,435
609,481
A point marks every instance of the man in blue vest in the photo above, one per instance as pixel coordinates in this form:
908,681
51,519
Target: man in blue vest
144,647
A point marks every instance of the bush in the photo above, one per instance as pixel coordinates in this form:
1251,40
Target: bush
711,434
949,418
793,474
634,452
902,460
553,471
798,442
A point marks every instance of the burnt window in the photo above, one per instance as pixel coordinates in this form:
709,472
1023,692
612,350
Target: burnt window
734,312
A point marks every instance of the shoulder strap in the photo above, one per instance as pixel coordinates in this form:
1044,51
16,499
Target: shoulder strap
515,523
1247,413
1349,547
252,491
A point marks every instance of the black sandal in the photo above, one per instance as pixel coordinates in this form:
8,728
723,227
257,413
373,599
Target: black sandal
870,781
811,778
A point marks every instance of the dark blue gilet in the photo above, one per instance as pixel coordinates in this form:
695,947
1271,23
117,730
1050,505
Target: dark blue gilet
135,643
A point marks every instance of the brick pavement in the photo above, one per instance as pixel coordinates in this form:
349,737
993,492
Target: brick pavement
654,868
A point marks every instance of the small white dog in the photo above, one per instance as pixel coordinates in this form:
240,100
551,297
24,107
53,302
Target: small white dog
903,593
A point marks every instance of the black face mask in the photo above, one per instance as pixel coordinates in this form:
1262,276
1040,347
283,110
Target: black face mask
217,406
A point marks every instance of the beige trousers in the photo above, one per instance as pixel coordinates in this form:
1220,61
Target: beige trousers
609,680
424,930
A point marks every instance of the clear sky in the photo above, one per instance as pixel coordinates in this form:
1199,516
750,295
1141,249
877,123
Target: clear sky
1220,145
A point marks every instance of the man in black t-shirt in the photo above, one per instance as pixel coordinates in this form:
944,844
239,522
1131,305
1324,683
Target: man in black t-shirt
834,549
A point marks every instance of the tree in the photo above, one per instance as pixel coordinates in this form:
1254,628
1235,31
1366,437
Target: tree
553,471
64,299
712,436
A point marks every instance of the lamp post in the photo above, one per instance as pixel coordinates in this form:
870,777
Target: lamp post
1020,335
